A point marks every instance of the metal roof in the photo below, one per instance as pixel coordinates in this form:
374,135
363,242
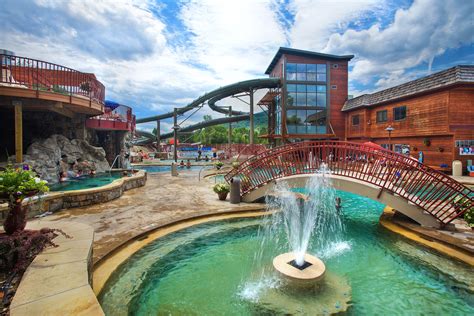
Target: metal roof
455,75
303,53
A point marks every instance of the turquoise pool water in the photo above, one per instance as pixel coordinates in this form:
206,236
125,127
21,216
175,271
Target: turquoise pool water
208,270
86,182
156,169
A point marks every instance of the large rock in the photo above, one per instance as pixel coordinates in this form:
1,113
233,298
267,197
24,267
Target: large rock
44,155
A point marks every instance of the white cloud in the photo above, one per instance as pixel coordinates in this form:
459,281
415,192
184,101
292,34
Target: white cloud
315,21
417,35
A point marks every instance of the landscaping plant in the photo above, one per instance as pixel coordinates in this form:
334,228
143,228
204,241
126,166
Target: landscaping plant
222,189
15,186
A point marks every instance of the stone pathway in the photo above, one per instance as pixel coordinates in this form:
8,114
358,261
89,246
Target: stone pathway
163,200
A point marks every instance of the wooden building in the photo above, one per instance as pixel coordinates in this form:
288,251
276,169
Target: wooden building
433,115
313,91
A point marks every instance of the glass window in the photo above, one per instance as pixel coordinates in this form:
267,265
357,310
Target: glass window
290,67
321,77
301,129
355,120
301,76
381,116
321,88
321,100
311,88
291,75
400,113
291,87
310,68
301,68
322,68
301,88
301,99
301,117
291,117
311,76
291,129
311,99
291,101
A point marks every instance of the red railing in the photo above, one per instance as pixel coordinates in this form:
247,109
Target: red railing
119,118
27,73
436,193
239,151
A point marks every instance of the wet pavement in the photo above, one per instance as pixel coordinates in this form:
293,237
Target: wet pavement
163,200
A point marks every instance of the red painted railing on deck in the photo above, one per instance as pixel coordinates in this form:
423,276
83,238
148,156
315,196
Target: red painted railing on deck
119,118
27,73
436,193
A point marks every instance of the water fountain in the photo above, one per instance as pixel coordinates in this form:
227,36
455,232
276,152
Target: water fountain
302,277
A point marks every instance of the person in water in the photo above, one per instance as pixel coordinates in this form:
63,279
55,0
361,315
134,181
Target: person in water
181,164
338,205
188,164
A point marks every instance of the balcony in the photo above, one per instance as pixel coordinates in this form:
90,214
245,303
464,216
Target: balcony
116,117
23,77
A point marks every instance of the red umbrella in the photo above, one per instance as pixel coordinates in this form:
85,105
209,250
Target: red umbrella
372,145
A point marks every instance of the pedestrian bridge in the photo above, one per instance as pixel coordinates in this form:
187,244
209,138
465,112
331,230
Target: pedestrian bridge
425,195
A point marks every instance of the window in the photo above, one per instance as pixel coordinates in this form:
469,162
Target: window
381,116
355,119
305,72
400,113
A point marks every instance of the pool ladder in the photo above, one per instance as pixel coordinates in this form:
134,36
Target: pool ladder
113,163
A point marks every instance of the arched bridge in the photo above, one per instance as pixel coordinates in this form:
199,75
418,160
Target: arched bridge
422,193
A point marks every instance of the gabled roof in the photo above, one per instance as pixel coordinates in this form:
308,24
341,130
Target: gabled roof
303,53
455,75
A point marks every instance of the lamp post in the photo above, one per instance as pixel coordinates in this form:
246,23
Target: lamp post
390,129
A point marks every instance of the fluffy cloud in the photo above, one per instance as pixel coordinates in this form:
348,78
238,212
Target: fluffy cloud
416,36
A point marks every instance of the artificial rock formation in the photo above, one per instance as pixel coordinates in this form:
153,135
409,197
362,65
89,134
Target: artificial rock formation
44,155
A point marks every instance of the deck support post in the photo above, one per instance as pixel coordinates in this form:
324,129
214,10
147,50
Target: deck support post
158,135
17,105
230,129
251,140
175,134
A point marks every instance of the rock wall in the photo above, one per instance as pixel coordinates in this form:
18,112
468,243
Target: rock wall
44,155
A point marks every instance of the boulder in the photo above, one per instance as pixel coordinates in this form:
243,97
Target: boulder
44,155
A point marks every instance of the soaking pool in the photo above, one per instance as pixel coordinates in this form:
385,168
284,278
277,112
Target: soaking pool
86,182
157,169
210,269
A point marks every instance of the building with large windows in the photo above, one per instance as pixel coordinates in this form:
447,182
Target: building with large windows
312,93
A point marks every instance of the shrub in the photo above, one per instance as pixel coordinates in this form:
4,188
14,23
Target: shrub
16,184
221,188
469,216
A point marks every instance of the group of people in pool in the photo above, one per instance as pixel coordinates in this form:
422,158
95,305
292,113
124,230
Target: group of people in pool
70,170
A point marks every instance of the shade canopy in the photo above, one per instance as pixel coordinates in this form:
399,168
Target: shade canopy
373,145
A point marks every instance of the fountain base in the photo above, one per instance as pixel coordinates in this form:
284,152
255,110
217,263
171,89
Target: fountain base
306,275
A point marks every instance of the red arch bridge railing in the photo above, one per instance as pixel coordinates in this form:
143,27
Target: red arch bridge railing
436,193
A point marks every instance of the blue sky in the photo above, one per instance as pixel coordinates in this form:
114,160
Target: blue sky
156,55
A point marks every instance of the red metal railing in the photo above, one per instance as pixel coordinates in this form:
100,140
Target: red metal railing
239,151
23,72
119,118
436,193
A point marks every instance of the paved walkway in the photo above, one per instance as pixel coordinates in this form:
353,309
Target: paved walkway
164,199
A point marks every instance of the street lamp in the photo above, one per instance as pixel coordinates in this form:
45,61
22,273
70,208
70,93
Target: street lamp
390,129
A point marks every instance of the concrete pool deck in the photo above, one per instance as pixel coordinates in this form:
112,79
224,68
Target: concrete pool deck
162,201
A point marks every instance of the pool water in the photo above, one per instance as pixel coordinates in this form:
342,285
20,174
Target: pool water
86,182
157,169
208,270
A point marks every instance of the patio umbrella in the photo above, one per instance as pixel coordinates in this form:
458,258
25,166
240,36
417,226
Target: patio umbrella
372,145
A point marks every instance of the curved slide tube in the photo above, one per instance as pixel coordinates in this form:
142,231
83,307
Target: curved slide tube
211,98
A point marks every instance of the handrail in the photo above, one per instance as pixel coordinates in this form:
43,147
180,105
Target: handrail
436,193
24,72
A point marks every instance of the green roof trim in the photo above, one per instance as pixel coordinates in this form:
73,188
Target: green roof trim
303,53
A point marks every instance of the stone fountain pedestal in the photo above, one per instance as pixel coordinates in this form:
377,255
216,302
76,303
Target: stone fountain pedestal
307,275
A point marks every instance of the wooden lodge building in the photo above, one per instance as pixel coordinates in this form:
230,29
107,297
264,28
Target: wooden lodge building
433,114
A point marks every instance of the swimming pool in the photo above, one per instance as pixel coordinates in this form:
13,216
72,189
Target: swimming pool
157,169
86,182
209,269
